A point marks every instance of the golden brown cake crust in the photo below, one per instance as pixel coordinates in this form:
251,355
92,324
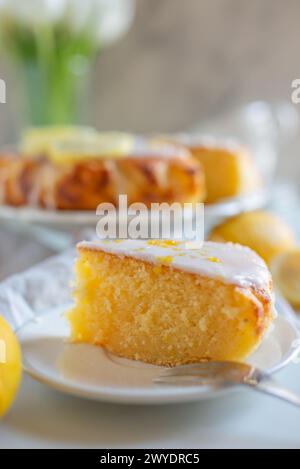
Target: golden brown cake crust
83,185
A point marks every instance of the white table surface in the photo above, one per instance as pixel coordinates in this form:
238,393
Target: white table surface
44,418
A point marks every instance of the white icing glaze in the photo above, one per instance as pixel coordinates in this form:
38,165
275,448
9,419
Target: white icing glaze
157,147
118,145
228,262
196,139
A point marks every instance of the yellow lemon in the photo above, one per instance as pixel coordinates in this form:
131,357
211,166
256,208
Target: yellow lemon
286,274
261,231
10,366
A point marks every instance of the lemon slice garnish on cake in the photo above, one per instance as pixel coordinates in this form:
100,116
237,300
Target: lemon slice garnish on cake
10,366
63,145
36,141
100,145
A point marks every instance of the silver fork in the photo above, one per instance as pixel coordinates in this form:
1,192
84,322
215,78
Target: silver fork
220,375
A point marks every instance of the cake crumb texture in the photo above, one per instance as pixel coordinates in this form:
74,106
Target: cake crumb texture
163,316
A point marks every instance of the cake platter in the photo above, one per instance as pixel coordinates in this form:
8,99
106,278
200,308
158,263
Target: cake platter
55,229
74,218
90,372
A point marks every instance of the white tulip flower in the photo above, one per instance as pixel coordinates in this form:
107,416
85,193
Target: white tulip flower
53,44
32,12
114,18
104,20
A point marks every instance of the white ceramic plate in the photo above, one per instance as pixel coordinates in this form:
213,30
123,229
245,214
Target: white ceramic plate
75,218
92,373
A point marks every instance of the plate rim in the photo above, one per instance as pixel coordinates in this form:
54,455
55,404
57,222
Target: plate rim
226,207
183,394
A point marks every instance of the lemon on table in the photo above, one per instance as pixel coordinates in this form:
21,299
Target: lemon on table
10,366
286,275
261,231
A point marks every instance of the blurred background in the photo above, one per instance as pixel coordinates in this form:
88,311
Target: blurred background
181,64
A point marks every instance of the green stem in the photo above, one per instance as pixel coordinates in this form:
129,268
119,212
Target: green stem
46,57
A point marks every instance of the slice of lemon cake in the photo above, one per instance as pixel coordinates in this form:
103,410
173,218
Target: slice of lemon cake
169,302
229,168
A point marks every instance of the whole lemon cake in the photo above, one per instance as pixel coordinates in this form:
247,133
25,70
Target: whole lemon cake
169,302
79,168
